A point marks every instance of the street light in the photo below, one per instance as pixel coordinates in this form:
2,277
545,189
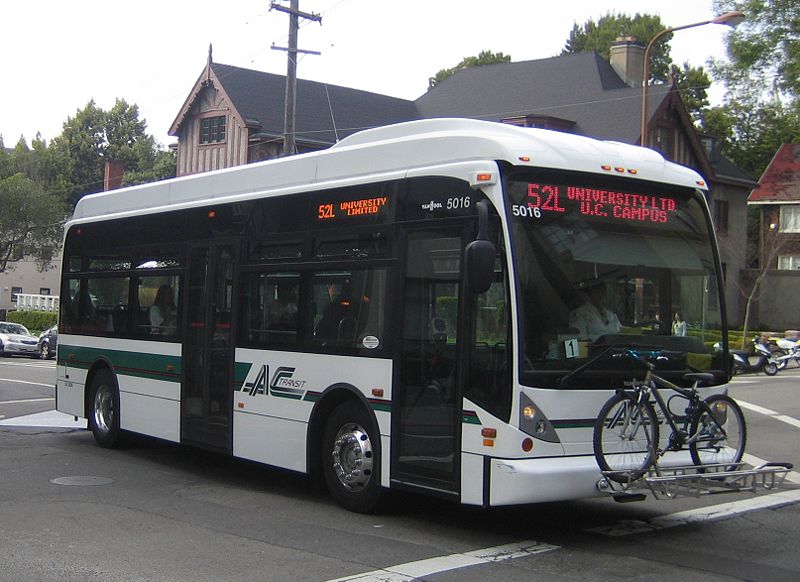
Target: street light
732,18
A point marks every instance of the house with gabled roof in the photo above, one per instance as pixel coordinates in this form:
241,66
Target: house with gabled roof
778,199
235,116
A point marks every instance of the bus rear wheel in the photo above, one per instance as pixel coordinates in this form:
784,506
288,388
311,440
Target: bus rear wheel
104,410
351,458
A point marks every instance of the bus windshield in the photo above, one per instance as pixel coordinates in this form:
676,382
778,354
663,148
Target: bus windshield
603,264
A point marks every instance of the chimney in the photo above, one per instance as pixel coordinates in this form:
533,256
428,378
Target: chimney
113,175
627,59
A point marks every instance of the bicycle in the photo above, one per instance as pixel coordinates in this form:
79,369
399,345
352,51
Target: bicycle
626,432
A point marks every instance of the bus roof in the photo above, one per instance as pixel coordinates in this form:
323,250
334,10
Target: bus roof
388,152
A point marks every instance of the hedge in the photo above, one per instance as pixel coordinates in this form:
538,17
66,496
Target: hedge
35,321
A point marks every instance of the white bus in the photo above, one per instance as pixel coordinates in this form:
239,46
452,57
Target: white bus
426,306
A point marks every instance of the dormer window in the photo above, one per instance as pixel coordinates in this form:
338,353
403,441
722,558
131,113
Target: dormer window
212,129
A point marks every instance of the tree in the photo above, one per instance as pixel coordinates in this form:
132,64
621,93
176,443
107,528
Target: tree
597,36
94,136
764,50
31,222
483,58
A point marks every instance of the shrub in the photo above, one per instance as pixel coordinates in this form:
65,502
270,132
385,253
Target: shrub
35,321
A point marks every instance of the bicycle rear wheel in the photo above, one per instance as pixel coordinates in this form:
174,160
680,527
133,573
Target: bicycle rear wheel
625,438
717,433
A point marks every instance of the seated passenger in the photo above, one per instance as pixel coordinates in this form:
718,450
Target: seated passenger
593,318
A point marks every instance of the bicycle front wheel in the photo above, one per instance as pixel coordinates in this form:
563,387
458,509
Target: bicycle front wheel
717,433
625,438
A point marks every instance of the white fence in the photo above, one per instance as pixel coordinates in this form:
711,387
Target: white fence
28,302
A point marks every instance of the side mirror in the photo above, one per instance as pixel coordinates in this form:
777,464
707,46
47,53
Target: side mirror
480,254
480,265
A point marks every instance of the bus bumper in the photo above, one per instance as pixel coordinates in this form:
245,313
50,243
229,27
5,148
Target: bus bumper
520,481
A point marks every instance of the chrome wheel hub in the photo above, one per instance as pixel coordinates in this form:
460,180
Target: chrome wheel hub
103,409
352,457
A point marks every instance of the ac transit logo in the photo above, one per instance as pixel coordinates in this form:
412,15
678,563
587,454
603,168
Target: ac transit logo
283,383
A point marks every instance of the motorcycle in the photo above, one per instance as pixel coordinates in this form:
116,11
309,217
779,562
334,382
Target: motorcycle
786,351
759,359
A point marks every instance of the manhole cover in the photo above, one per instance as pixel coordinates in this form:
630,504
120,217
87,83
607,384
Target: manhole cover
82,481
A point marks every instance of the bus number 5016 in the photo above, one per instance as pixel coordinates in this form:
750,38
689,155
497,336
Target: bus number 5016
458,203
526,211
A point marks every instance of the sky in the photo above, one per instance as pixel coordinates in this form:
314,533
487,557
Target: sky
59,55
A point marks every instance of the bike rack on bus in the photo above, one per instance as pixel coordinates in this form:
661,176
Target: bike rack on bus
699,480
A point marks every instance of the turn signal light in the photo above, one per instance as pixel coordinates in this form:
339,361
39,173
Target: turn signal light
489,433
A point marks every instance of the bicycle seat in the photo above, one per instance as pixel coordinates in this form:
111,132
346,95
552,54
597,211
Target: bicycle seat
702,377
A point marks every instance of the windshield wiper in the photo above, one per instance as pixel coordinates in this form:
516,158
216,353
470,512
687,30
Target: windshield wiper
587,364
635,351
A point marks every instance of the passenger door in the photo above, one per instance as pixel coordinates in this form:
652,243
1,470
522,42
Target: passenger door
206,403
428,391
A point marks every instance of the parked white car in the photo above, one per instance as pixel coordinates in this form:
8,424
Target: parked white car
15,339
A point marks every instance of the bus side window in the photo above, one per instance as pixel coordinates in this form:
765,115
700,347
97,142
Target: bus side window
349,310
156,306
270,313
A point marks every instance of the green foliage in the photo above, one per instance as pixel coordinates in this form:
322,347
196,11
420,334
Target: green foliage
35,321
751,131
693,83
30,223
94,136
598,36
764,50
483,58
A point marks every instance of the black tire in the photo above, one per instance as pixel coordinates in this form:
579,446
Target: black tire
625,438
770,368
723,432
351,458
44,352
104,409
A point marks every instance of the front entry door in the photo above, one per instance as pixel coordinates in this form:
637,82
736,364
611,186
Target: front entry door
428,395
206,410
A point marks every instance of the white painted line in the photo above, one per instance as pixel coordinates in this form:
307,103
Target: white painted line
415,570
26,382
767,412
26,401
792,476
49,419
628,527
712,513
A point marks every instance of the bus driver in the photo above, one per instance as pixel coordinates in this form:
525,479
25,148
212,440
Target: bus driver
593,318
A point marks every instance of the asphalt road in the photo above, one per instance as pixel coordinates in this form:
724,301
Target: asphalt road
70,510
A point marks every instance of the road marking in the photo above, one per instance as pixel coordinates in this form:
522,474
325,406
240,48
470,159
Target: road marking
415,570
791,476
767,412
26,382
26,401
49,419
721,511
711,513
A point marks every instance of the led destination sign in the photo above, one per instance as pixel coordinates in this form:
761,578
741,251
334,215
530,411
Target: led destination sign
352,208
548,198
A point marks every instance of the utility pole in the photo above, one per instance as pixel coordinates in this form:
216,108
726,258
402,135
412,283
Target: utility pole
291,71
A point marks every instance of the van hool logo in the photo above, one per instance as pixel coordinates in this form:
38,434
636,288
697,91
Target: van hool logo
283,383
432,205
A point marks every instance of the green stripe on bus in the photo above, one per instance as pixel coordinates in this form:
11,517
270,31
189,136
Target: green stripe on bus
469,417
240,373
576,423
126,363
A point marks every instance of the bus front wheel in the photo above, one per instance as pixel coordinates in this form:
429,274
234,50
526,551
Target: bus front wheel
351,459
104,411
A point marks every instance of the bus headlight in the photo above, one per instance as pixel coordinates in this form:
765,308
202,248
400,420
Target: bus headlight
533,422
